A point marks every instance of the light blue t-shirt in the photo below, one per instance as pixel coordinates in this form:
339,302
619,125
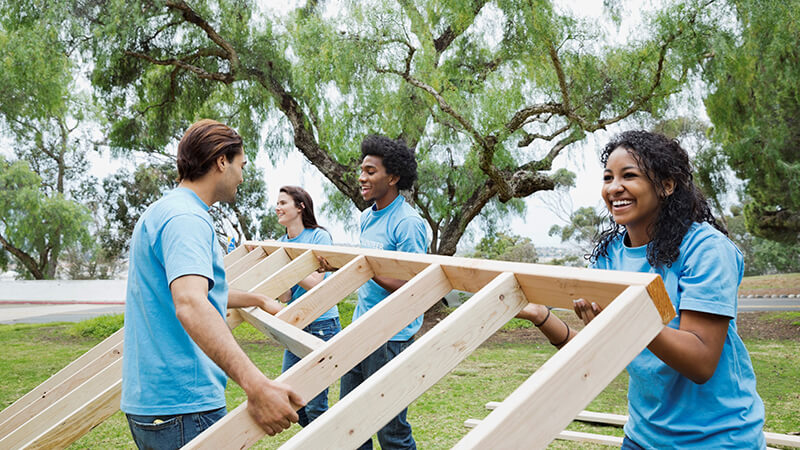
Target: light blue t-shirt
312,236
668,410
163,370
395,227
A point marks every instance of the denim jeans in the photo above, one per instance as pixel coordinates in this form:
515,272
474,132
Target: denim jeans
397,433
170,432
323,329
628,444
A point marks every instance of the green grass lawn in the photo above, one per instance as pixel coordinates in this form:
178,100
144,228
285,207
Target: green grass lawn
31,353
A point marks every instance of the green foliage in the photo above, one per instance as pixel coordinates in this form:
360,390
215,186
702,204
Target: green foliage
762,256
584,229
506,247
99,327
754,106
487,93
36,227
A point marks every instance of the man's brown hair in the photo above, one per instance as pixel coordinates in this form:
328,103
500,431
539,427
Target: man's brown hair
201,145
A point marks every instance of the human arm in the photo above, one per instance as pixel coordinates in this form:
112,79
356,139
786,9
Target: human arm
271,404
556,330
693,349
242,299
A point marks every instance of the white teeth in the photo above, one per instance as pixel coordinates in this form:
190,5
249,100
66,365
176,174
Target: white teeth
621,202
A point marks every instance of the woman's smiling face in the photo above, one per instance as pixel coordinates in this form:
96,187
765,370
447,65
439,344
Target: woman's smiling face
630,196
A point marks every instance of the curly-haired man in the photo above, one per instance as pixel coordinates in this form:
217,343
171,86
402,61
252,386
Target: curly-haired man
387,167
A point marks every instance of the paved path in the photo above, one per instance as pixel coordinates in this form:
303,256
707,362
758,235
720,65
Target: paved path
73,301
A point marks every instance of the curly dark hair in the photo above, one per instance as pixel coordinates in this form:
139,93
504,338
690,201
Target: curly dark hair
661,159
398,159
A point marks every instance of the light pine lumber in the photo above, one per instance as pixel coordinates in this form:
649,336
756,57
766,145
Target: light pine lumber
288,275
67,406
233,318
260,271
240,265
237,253
567,435
587,416
572,377
621,419
541,283
294,339
71,376
324,296
58,391
412,372
93,413
324,366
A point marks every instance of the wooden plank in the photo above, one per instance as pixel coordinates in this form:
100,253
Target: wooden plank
567,435
65,407
241,265
324,366
467,274
412,372
64,388
260,271
287,276
324,296
782,439
572,377
621,419
237,253
294,339
92,413
587,416
233,318
78,371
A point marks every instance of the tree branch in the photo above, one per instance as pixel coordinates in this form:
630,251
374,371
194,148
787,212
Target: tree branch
226,78
530,137
192,17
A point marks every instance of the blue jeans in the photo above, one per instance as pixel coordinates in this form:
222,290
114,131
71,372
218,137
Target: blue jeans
628,444
170,432
397,433
323,329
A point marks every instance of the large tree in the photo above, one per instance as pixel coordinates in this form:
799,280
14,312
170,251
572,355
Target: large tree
40,115
489,94
754,105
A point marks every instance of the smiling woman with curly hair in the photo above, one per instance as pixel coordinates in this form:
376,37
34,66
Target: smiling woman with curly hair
694,385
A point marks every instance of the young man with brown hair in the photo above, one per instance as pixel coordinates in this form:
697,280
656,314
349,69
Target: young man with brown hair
178,348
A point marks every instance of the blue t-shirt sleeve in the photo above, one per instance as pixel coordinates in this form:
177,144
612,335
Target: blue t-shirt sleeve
187,247
321,237
411,235
710,277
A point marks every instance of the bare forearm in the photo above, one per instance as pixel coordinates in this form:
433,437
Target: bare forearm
312,280
390,284
242,299
685,352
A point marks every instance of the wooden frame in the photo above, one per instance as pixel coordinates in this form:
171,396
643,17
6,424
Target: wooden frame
571,378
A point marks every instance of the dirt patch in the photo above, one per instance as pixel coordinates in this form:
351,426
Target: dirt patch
750,325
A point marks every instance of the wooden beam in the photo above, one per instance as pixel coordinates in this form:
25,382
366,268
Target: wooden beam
288,275
78,371
572,377
324,296
58,414
262,270
384,394
240,265
294,339
468,274
567,435
237,253
92,413
318,370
